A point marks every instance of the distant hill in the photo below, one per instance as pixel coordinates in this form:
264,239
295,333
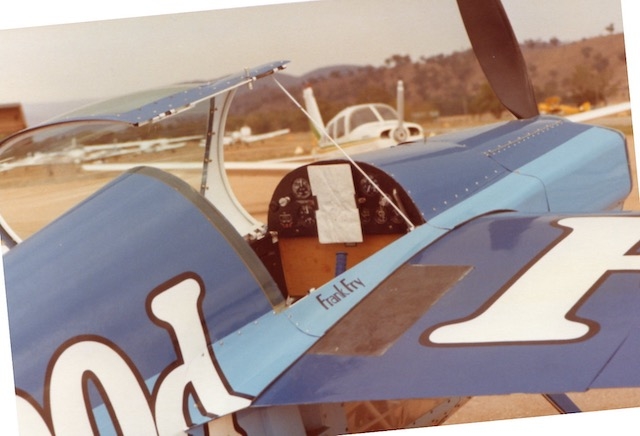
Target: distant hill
591,70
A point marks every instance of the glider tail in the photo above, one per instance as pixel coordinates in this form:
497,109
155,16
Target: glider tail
311,105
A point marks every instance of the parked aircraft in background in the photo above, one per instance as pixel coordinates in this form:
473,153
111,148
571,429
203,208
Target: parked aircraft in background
244,136
78,154
370,126
95,154
103,151
486,261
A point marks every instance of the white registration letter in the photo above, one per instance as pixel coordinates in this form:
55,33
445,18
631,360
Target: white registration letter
178,308
69,406
30,421
534,308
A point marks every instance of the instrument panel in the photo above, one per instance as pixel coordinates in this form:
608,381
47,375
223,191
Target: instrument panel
293,206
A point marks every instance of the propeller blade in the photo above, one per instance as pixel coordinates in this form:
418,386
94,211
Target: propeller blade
499,55
400,102
400,133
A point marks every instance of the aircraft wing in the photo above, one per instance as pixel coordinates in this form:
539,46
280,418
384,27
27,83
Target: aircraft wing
261,137
229,166
506,303
600,112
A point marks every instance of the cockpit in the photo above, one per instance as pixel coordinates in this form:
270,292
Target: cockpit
328,216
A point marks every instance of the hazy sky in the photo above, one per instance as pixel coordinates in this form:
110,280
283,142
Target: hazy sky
110,57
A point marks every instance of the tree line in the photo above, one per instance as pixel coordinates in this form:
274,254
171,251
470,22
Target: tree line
592,70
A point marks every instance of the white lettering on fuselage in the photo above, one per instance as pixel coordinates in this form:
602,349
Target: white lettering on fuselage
132,408
536,305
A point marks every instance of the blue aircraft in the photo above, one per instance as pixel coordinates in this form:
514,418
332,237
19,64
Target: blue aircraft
487,261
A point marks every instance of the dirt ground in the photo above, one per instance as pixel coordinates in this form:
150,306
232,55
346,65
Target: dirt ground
32,196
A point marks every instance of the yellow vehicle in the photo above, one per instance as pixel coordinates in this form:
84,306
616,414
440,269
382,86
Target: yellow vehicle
553,105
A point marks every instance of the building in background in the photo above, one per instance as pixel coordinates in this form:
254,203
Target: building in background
11,119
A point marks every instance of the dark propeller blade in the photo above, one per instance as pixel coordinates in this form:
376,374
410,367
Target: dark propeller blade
498,52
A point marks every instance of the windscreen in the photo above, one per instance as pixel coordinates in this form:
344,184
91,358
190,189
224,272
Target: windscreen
386,112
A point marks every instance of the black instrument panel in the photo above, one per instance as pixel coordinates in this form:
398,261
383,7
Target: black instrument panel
292,210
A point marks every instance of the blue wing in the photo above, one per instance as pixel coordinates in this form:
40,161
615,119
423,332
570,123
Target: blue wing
385,347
